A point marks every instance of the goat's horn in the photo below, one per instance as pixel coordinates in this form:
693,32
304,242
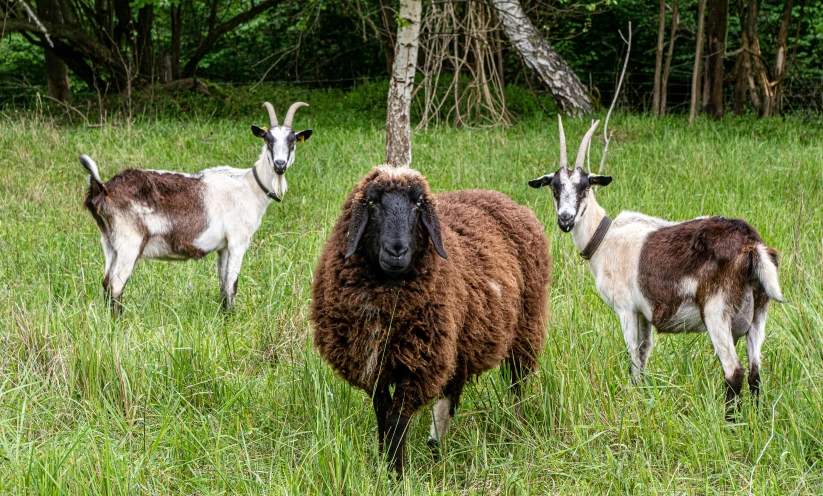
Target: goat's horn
581,153
564,161
272,115
292,110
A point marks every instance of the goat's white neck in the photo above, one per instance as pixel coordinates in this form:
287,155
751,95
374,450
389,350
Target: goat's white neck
265,171
588,223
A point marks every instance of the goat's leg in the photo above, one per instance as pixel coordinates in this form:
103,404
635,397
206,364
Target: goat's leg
718,321
122,264
632,337
645,341
444,410
222,269
381,401
233,264
754,341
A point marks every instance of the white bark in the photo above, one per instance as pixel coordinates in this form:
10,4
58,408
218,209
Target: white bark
563,84
398,127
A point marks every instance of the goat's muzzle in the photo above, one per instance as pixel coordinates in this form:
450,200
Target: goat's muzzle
565,221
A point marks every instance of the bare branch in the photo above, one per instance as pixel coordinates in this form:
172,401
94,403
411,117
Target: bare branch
608,137
34,18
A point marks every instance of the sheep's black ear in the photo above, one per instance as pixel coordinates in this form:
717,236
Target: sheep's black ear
432,224
541,181
600,180
357,226
303,135
258,131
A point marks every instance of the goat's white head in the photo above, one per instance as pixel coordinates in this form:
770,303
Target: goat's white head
279,140
570,186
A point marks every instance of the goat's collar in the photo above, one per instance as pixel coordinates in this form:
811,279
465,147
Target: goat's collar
595,241
270,194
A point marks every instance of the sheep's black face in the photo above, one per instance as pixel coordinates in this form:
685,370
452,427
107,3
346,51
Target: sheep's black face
570,190
392,225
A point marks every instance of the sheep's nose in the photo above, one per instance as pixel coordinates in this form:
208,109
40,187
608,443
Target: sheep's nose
279,163
397,250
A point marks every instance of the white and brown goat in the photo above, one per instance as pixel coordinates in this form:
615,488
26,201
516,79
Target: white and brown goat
707,274
175,216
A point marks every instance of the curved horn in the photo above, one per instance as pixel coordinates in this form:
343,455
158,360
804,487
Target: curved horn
272,115
581,153
292,110
564,161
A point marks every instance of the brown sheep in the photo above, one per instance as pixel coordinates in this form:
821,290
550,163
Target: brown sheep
391,309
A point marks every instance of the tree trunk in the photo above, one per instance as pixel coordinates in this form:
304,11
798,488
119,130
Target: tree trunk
698,56
145,20
398,125
57,72
780,57
565,87
658,61
387,35
752,76
717,21
664,83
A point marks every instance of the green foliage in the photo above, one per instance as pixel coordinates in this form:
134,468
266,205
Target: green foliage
177,397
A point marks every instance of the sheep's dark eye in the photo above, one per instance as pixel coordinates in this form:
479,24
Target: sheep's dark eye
419,202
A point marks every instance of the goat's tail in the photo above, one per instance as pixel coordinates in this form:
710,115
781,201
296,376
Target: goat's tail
765,268
95,183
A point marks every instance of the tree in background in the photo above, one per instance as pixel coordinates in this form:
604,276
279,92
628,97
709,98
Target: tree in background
398,114
111,43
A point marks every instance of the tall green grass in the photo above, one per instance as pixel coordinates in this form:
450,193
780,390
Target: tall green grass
178,397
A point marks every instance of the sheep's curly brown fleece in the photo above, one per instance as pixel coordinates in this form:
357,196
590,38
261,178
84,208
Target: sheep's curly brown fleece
447,320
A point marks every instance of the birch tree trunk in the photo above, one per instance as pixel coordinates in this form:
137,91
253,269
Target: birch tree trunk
398,127
565,87
780,57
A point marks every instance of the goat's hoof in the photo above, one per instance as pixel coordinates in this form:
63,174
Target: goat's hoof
433,444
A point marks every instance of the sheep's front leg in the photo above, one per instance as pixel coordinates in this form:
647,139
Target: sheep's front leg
406,401
381,400
444,410
719,325
233,263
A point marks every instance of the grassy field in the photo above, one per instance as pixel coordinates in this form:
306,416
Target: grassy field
178,397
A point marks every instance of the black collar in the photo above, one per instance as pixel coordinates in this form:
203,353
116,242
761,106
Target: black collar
599,234
270,194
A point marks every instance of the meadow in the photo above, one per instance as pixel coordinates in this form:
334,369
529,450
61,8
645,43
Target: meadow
180,397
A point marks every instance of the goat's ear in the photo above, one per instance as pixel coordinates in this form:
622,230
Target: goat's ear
303,135
432,224
357,226
541,181
258,131
600,180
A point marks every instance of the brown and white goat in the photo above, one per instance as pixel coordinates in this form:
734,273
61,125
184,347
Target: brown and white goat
175,216
708,274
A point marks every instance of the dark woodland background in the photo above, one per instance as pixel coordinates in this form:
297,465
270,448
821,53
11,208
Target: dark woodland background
114,48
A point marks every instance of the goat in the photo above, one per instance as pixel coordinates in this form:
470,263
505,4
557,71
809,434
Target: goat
707,274
391,307
175,216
